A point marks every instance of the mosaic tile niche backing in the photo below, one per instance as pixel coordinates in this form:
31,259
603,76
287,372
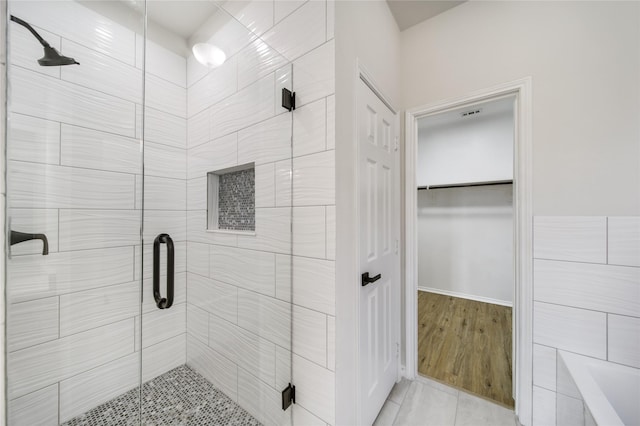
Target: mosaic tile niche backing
236,200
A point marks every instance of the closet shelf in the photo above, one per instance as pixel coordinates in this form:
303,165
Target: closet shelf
467,184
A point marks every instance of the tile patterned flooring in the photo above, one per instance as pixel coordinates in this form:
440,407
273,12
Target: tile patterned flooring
425,402
178,397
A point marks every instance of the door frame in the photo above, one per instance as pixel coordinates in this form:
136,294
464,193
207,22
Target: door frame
523,230
363,75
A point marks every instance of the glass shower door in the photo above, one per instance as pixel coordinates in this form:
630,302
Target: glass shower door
74,176
217,181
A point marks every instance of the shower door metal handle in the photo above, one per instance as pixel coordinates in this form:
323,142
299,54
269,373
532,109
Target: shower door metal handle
161,302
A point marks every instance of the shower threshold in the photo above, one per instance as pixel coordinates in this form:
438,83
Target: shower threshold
178,397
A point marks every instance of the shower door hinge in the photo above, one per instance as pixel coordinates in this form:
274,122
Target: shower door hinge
288,99
288,396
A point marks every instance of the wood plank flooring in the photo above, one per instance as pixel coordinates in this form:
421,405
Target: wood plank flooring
466,344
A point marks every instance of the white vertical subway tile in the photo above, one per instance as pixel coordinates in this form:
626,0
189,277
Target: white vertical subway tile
265,142
284,8
198,259
310,275
571,329
172,222
85,391
161,193
315,74
573,238
212,156
164,128
544,407
299,32
33,139
331,12
71,104
283,367
272,231
73,21
165,96
331,232
309,231
165,64
248,269
265,189
310,335
197,192
605,288
265,316
37,276
164,161
160,325
331,120
92,229
331,343
624,240
214,367
247,350
39,408
315,388
197,231
47,186
284,176
199,128
84,310
257,60
310,128
30,323
569,411
41,365
544,367
624,340
34,221
215,86
162,357
198,323
314,179
213,296
100,72
82,147
283,277
261,400
256,15
248,106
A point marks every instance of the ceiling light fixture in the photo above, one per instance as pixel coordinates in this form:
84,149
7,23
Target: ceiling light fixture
209,55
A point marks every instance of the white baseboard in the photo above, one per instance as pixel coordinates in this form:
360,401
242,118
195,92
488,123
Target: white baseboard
466,296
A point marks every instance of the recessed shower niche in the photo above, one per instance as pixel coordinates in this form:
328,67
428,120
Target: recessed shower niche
231,199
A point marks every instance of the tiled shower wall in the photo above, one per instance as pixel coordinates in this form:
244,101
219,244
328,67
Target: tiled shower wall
240,286
75,174
586,297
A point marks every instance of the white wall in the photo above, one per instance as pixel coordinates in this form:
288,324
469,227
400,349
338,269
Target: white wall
454,149
365,30
465,242
584,59
75,174
261,308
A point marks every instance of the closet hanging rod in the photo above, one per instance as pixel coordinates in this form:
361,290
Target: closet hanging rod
468,184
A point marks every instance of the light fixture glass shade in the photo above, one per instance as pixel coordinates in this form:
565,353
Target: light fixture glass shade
208,54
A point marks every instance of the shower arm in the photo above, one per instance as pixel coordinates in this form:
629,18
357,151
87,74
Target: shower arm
42,41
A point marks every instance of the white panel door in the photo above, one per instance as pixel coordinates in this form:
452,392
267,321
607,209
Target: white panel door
378,205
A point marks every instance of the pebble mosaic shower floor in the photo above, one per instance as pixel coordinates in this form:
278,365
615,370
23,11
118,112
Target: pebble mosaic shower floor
178,397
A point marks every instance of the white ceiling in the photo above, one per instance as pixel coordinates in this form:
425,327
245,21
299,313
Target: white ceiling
411,12
182,17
